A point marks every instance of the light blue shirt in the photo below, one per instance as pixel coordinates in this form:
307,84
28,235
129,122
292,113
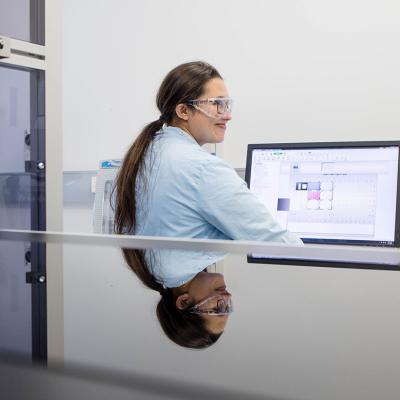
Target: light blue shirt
191,193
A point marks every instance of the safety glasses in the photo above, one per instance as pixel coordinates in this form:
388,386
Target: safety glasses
222,105
214,305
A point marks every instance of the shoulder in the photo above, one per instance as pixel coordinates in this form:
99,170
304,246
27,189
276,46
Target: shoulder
216,169
179,155
205,166
177,149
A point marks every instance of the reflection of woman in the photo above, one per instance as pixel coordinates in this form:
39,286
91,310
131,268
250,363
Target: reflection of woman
168,185
193,315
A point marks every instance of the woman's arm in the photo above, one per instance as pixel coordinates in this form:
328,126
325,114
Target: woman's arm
226,203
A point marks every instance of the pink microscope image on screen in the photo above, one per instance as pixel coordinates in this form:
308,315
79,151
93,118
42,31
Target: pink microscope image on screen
318,194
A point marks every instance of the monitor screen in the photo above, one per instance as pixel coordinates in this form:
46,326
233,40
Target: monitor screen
339,193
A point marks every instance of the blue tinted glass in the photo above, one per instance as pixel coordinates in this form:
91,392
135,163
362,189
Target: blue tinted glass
21,195
22,20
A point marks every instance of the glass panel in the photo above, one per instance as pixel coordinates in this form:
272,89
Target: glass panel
21,202
23,20
15,299
292,328
15,119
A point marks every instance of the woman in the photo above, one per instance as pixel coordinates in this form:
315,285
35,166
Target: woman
169,185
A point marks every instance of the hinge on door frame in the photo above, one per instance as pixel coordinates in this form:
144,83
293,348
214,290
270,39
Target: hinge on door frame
34,166
35,277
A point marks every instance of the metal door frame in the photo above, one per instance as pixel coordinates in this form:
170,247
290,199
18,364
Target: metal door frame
31,57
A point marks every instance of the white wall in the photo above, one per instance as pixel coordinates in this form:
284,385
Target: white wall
299,70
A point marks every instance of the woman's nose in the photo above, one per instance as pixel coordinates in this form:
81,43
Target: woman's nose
227,116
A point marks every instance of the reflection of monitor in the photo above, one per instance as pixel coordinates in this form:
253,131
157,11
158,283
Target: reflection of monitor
334,193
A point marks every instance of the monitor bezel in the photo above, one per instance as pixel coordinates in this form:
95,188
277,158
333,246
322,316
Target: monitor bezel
324,145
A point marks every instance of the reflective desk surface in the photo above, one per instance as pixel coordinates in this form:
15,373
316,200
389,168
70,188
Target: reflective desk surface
297,332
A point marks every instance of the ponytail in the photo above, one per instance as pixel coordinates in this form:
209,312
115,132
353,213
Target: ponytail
137,262
132,166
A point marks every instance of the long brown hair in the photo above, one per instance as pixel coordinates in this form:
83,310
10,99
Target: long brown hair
185,82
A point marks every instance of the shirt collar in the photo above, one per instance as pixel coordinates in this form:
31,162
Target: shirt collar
178,131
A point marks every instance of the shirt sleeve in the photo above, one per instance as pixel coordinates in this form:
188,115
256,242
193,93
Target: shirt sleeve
226,203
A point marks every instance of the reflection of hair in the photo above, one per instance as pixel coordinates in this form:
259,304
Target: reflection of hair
182,327
185,82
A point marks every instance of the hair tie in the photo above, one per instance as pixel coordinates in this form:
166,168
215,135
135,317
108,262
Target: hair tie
162,290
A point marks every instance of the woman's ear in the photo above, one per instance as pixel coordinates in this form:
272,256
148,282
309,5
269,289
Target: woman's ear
182,111
182,301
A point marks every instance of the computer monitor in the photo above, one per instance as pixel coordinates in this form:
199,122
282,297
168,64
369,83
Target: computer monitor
331,193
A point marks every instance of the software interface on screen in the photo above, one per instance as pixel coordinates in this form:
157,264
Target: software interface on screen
333,194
